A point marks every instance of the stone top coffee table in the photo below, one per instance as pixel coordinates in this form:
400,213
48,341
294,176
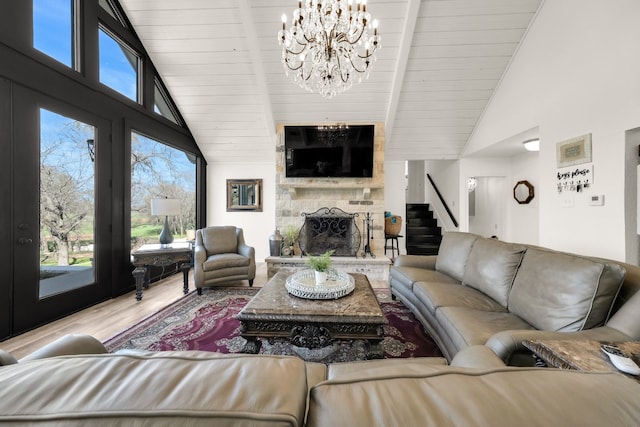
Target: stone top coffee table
274,313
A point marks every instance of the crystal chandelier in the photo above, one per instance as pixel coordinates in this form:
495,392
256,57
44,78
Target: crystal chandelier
329,44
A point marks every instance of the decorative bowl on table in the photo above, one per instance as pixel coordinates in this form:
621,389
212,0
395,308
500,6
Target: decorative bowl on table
302,284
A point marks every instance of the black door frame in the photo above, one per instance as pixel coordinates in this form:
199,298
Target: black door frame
28,310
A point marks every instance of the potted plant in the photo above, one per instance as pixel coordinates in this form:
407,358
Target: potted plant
289,239
321,265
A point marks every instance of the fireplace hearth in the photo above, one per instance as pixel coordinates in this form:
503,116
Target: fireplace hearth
329,229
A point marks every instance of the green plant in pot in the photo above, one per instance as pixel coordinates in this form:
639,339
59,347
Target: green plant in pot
289,239
321,265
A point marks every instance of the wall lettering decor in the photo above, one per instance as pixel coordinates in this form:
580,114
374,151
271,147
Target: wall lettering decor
575,178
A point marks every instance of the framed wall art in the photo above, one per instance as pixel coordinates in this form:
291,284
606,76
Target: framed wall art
574,151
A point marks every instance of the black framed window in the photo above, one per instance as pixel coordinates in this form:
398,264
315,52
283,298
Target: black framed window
53,29
119,65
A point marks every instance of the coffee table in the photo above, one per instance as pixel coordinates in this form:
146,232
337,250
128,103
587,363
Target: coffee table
274,313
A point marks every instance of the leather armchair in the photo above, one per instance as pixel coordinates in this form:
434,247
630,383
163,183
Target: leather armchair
221,256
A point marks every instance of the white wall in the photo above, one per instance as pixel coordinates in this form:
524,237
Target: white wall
575,73
257,226
446,175
395,186
524,219
490,200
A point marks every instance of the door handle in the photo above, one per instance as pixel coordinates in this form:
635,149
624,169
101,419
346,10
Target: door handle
25,241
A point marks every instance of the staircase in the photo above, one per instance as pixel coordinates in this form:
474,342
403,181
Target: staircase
423,234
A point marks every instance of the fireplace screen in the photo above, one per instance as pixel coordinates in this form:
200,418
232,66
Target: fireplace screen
329,228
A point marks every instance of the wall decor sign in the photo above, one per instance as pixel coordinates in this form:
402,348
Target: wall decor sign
574,178
574,151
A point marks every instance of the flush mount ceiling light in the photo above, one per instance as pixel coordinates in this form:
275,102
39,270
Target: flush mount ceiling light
532,144
329,47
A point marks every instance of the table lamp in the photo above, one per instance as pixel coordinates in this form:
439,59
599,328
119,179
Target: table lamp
165,207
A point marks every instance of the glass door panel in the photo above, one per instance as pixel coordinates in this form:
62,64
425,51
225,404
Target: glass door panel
67,204
61,210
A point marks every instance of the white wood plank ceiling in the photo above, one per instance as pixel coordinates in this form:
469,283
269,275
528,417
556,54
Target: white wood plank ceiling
439,64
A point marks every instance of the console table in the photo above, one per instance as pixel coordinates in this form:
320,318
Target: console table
160,256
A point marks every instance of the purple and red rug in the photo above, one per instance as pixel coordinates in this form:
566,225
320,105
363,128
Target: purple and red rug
207,323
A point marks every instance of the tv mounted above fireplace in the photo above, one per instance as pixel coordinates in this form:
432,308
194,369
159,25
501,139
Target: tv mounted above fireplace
330,151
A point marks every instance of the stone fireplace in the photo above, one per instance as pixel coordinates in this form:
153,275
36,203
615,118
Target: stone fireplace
361,197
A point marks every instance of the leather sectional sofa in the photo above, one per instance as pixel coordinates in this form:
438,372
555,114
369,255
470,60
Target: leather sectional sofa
74,382
482,291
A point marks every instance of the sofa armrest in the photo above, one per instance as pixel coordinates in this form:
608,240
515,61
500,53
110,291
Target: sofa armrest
477,356
7,358
246,250
68,345
419,261
505,344
199,254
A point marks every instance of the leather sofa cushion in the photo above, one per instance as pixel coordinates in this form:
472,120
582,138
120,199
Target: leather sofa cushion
555,291
390,367
436,295
454,252
227,260
220,240
450,396
407,276
492,266
465,326
159,389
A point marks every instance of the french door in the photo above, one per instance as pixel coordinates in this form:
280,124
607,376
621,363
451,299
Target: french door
61,202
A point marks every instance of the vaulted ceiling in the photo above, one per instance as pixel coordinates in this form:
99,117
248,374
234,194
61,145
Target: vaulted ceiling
439,64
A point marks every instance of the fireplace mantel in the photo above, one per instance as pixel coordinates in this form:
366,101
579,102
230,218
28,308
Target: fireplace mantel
365,187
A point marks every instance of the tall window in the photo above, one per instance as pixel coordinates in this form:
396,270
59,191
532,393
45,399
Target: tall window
67,203
159,171
53,29
119,65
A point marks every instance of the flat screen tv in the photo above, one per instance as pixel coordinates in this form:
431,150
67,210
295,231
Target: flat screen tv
329,151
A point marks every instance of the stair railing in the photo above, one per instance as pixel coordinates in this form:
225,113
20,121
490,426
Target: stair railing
435,187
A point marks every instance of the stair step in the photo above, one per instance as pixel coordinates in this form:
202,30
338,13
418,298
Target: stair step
422,222
419,214
433,231
419,206
422,250
424,239
423,236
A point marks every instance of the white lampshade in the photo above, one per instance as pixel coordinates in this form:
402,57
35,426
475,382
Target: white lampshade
165,206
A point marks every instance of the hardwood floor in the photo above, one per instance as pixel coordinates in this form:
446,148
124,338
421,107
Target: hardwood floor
110,317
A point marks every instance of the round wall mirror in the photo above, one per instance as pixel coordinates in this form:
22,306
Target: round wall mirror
523,192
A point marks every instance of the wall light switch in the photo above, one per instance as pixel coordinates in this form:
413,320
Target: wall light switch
597,200
567,202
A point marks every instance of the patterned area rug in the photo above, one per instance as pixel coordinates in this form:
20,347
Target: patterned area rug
207,323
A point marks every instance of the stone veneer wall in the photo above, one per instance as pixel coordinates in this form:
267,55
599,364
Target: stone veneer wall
354,195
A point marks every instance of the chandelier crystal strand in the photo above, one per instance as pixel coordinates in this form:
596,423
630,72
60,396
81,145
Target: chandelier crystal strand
330,44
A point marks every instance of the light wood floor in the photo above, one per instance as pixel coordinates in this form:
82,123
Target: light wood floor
110,317
106,319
